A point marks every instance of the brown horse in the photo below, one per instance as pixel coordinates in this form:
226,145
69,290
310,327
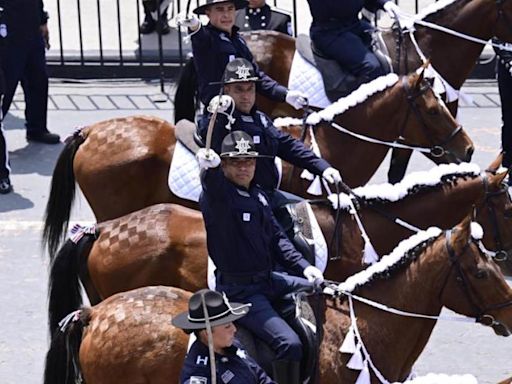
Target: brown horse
166,244
129,338
122,165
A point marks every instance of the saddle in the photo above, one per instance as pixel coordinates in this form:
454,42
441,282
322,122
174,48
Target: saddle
339,82
303,319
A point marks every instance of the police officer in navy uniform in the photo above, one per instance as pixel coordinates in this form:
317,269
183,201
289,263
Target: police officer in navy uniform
218,43
504,71
245,243
339,33
232,364
238,112
258,15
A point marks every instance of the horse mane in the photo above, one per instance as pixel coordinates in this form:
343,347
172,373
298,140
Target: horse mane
403,254
412,184
359,96
433,11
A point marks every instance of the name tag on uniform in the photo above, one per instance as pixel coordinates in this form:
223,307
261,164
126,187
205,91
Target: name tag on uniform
227,376
231,57
246,216
198,380
256,139
3,30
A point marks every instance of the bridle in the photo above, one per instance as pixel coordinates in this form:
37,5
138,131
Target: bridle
437,150
481,315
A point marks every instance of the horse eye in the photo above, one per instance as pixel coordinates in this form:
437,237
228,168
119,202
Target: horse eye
432,111
481,274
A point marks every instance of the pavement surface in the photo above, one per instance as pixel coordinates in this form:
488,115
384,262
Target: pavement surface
453,348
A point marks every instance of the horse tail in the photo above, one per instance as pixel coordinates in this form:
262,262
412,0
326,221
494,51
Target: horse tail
62,195
64,294
62,360
185,100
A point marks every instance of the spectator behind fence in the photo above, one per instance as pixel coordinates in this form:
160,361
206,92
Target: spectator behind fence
24,35
151,22
504,72
258,15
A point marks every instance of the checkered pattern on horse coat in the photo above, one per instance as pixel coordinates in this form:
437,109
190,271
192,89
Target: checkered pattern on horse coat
145,228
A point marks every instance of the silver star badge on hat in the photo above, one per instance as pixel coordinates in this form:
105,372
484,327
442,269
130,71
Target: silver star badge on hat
243,72
243,146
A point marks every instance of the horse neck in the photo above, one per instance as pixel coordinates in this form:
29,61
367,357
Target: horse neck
471,17
380,117
395,342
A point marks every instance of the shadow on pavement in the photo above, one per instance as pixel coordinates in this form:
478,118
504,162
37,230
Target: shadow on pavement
14,201
35,158
12,122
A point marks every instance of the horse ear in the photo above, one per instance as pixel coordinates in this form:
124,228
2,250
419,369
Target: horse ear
422,73
497,179
495,164
464,229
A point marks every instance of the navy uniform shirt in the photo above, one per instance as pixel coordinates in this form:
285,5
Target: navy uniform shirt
23,18
345,12
213,49
235,367
253,19
268,141
243,237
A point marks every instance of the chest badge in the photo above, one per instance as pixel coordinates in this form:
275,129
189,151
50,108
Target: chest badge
198,380
246,216
227,376
256,139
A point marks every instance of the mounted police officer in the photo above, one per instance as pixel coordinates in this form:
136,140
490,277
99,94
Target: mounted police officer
240,82
219,42
245,242
504,70
232,364
258,15
339,33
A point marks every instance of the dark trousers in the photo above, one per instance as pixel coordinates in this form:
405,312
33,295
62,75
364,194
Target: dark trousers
5,169
263,320
24,61
505,88
350,47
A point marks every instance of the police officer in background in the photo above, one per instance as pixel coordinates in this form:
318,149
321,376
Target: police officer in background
504,72
245,242
258,15
339,33
219,42
232,364
240,81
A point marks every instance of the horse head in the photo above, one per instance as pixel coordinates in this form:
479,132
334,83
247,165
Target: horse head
431,123
475,285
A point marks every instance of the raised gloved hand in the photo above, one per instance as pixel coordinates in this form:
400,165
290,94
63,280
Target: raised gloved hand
392,9
314,275
296,99
223,103
332,175
188,21
207,158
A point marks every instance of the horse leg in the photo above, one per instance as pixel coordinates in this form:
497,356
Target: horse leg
62,358
398,164
64,294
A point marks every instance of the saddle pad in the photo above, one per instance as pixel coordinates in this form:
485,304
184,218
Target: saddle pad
321,253
184,179
305,78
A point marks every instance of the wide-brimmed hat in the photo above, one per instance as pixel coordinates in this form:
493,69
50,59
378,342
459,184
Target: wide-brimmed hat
239,4
219,311
238,144
239,70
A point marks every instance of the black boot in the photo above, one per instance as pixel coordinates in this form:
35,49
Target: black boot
149,25
294,372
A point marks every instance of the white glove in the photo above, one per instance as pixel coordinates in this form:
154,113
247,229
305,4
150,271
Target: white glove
392,9
207,158
296,99
188,21
225,103
314,275
332,175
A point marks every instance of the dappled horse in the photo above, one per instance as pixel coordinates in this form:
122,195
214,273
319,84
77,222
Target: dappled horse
166,244
129,338
122,165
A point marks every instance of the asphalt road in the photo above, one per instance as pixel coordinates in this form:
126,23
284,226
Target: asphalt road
453,348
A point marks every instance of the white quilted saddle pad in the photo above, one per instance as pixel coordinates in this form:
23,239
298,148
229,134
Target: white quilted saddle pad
306,78
184,178
321,253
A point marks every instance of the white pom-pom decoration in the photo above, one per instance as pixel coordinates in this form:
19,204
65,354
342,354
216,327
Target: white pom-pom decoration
477,231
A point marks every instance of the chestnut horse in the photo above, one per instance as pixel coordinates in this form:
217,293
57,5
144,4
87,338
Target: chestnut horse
122,165
129,338
166,244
